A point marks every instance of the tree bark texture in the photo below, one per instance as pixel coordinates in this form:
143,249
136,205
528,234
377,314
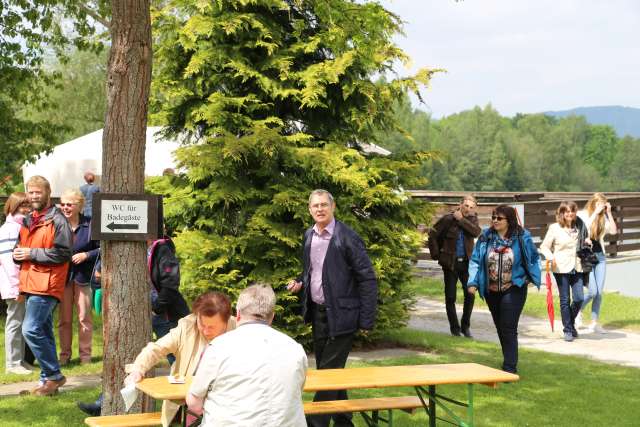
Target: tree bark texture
127,307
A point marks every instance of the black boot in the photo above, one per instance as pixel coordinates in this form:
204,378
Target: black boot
92,408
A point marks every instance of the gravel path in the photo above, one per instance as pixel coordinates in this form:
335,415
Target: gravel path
616,346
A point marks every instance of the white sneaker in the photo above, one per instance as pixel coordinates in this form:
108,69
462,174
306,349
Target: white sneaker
19,370
598,329
578,321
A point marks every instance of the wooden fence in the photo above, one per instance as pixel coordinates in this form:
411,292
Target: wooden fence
539,212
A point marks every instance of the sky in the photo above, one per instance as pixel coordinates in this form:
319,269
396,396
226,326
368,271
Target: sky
523,56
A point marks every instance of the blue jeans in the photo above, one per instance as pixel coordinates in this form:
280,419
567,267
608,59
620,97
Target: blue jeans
569,283
505,308
37,329
596,286
161,327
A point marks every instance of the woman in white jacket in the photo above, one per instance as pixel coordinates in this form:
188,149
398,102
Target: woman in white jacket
599,221
560,246
16,207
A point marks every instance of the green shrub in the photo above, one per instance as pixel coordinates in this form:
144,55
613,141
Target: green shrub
273,99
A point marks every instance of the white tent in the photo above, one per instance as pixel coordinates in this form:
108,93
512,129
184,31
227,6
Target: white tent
65,166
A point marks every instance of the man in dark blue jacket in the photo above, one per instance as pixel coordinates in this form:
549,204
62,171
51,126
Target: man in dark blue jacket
339,293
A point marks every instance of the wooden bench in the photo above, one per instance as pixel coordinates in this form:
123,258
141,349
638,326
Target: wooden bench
373,405
130,420
405,403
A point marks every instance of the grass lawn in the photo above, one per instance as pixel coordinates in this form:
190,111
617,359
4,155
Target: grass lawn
60,410
618,311
554,390
74,368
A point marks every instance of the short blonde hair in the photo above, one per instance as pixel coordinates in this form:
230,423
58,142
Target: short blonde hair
40,182
14,201
73,194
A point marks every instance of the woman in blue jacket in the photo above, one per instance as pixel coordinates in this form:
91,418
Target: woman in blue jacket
503,263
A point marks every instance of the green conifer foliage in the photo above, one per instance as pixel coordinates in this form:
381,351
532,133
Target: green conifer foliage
275,99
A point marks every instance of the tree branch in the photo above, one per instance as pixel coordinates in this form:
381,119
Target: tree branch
95,15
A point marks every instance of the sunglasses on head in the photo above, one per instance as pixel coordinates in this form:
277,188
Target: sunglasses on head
498,218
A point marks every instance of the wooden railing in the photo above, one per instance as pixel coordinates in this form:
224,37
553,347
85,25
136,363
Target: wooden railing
539,212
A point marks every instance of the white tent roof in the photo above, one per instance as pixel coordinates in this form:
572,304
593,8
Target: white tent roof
65,166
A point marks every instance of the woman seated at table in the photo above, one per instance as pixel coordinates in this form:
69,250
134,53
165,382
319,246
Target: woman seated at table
187,341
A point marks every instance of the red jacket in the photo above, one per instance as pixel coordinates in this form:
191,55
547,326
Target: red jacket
50,241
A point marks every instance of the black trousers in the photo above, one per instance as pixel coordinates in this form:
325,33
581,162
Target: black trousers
460,272
505,308
331,353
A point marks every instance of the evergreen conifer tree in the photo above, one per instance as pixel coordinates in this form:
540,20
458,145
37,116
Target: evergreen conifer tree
276,98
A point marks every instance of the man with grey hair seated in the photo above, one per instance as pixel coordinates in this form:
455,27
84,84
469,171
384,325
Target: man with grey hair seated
252,376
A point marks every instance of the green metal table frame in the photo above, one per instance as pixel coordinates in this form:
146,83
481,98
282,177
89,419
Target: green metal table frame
374,420
430,400
434,400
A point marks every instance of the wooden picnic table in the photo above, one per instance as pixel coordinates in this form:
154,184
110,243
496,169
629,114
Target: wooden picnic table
423,378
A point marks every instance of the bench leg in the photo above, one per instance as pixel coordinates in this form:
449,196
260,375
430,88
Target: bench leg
470,403
375,420
370,420
432,406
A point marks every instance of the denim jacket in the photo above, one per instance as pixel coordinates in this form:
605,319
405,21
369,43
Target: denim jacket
521,273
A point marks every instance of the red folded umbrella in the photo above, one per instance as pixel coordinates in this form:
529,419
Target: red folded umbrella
550,311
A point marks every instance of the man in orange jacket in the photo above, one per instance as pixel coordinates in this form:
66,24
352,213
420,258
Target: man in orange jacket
44,252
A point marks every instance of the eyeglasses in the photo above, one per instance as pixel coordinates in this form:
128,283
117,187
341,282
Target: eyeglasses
498,218
317,206
67,205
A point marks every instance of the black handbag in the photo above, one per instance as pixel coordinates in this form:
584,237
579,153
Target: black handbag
588,259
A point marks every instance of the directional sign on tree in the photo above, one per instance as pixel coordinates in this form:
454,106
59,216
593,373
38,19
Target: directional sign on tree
113,227
126,216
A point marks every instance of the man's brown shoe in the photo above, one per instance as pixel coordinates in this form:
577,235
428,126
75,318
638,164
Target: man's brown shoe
49,388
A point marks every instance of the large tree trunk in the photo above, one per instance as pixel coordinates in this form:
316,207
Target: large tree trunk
127,308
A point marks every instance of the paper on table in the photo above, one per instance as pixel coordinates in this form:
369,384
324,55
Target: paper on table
129,394
175,380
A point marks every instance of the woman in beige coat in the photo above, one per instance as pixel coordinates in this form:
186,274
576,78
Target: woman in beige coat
560,246
187,341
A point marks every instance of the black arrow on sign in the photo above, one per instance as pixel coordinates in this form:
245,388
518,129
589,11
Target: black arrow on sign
114,227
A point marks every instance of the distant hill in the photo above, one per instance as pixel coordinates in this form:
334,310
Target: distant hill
625,120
